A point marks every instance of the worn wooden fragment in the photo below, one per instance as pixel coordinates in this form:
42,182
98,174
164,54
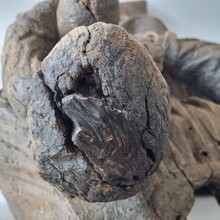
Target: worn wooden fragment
108,116
29,197
75,13
132,9
190,162
28,40
193,64
140,25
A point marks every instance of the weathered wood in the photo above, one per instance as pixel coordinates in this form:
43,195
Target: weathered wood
132,9
191,156
195,63
155,50
25,49
90,104
74,13
140,25
29,197
28,40
191,160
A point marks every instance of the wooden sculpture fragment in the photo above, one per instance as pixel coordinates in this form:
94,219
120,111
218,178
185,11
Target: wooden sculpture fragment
28,40
143,24
98,115
108,116
195,63
74,13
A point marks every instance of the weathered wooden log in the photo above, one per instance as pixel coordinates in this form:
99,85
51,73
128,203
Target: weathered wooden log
191,161
195,63
25,49
192,63
74,13
91,95
28,40
132,9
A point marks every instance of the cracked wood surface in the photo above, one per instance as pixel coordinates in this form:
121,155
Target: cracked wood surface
112,115
74,13
132,9
191,160
24,50
28,196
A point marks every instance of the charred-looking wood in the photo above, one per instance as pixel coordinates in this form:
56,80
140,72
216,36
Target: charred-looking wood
99,114
75,13
33,35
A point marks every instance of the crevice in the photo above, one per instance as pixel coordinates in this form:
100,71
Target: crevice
182,171
63,176
204,153
87,8
61,117
149,152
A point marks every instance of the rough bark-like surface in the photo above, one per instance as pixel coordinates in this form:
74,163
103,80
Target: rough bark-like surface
131,9
75,13
29,197
111,114
33,35
143,24
194,63
191,160
28,40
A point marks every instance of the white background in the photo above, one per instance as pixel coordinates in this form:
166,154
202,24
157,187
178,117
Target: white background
188,18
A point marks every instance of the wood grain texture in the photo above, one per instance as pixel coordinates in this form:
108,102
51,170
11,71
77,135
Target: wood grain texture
140,25
28,40
195,63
